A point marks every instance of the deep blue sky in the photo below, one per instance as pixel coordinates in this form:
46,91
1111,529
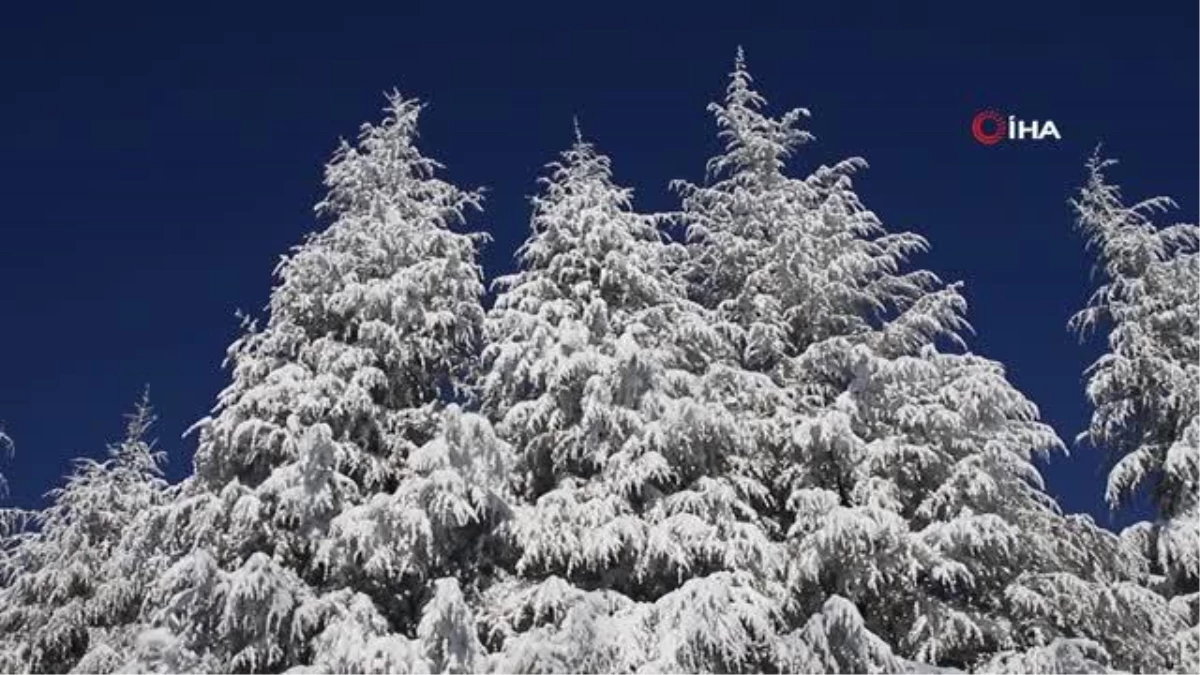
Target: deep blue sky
155,161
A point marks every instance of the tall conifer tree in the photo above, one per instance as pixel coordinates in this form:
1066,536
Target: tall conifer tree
917,522
1145,388
58,601
336,481
640,543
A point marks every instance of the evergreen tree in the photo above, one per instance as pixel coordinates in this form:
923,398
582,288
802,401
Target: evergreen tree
57,600
1144,389
334,484
917,525
639,543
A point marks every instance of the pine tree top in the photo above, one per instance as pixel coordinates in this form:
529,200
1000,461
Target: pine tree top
757,146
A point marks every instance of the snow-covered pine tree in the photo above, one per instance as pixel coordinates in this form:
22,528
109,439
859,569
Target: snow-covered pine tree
336,481
1144,389
639,542
916,521
57,600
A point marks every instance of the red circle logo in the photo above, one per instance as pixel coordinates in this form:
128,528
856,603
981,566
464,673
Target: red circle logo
989,127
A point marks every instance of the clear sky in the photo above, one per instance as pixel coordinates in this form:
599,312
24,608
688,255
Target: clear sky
156,160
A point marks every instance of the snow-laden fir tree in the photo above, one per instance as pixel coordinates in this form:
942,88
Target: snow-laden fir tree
916,523
639,542
58,600
1144,389
336,481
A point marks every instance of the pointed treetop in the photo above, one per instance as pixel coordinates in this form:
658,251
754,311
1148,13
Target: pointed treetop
580,161
754,140
578,132
1125,235
1097,163
399,108
136,450
142,417
384,167
739,93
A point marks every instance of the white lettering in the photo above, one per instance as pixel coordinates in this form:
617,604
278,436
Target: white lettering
1048,129
1027,129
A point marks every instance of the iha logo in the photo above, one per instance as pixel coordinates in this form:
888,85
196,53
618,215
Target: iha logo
990,127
